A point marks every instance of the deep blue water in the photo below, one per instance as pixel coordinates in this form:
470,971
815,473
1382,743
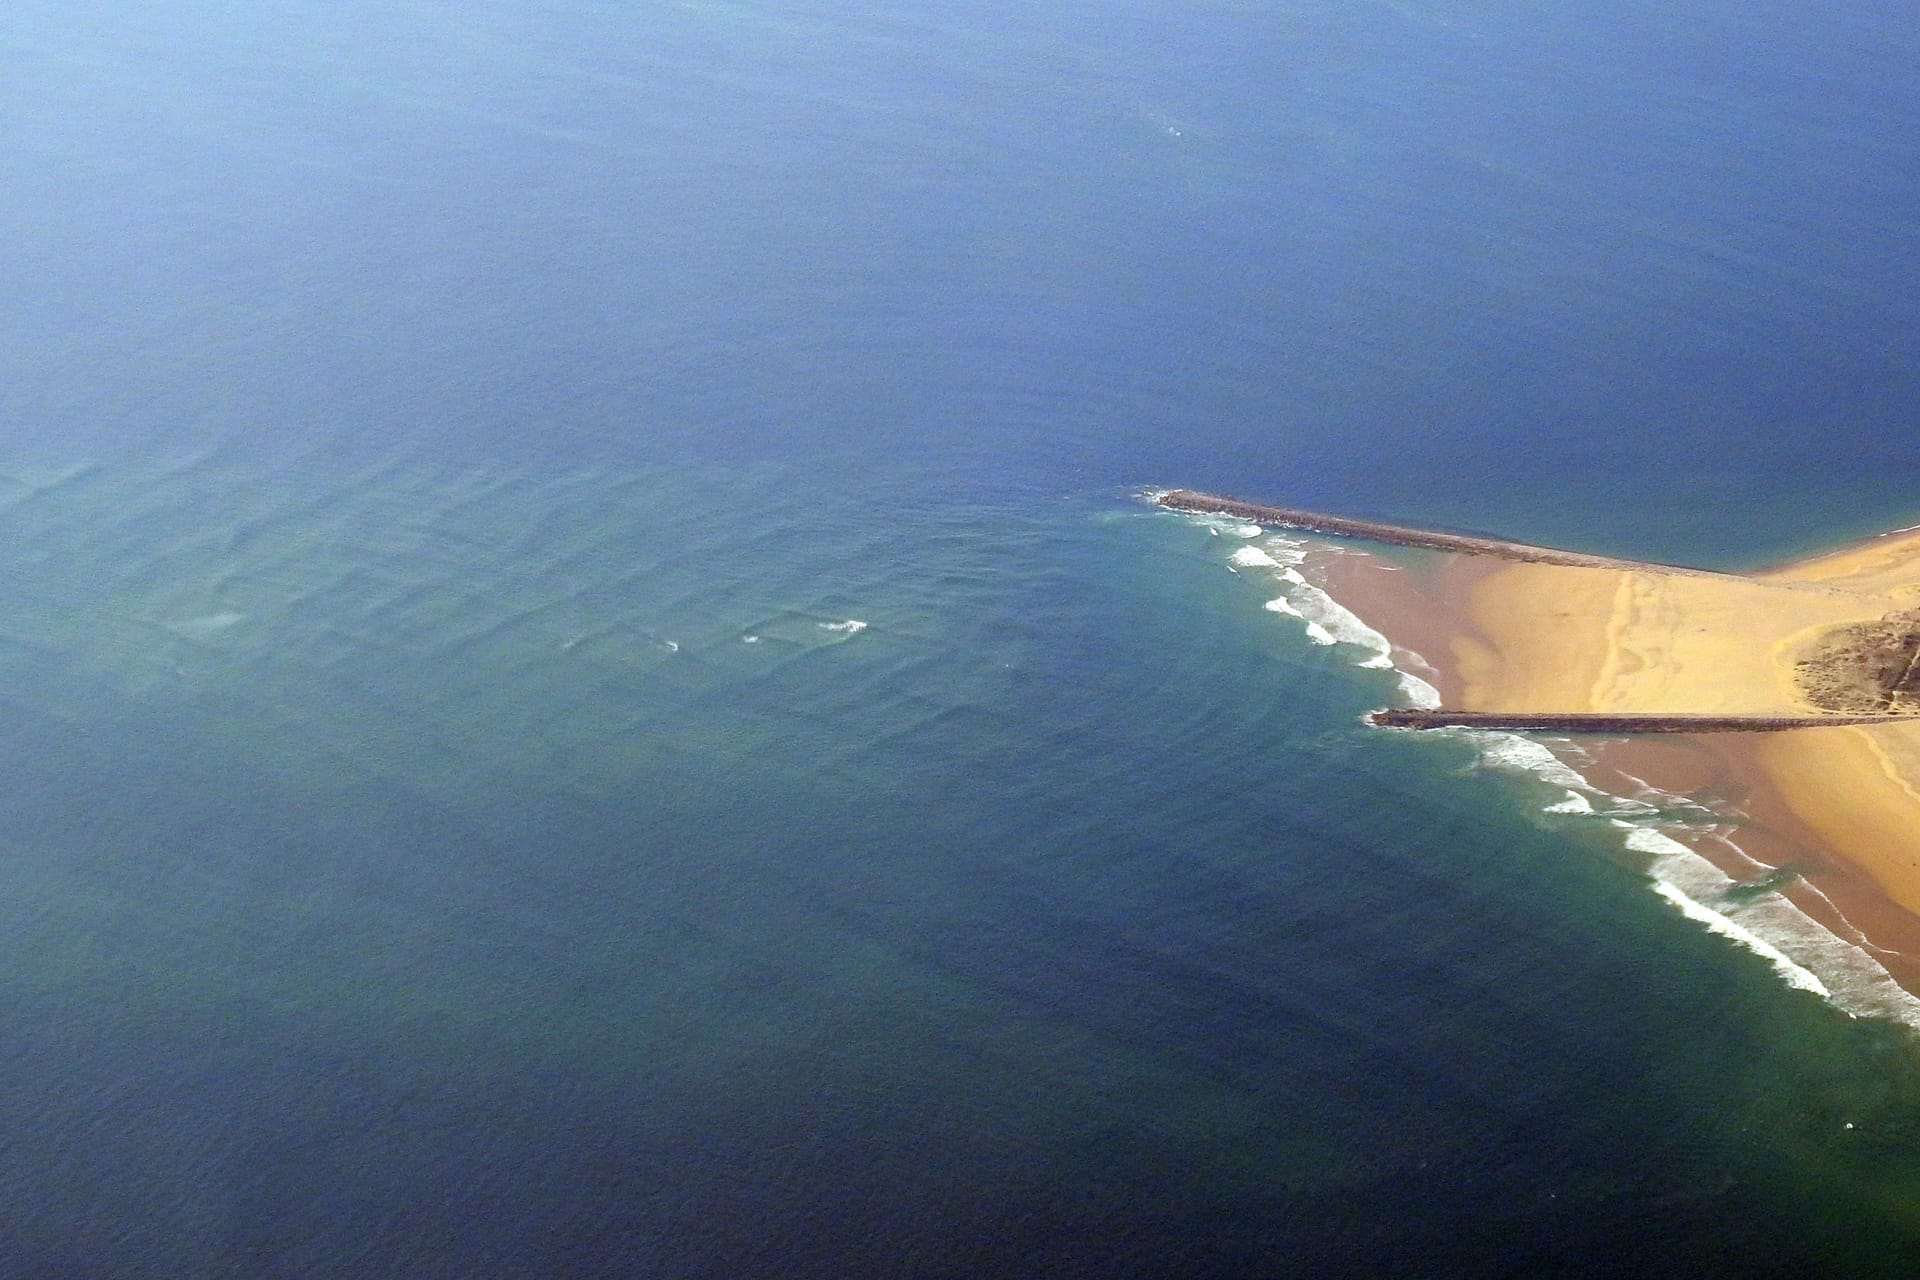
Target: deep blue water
448,826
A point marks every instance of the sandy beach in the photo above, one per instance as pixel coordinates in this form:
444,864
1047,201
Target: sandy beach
1837,807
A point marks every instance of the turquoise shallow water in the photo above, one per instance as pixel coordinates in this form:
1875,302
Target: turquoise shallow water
453,826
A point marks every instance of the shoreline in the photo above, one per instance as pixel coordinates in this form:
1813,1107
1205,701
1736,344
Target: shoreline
1767,854
1757,834
1759,854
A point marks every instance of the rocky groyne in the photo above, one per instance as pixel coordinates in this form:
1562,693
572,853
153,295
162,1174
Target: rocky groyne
1401,536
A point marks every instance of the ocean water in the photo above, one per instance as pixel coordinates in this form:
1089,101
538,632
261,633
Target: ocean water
589,691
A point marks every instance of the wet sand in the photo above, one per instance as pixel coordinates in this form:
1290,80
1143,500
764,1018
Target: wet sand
1763,834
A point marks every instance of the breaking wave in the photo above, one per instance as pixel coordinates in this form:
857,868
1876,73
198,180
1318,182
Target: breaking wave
1326,620
1803,952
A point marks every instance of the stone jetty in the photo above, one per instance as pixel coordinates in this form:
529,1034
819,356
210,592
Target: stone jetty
1399,535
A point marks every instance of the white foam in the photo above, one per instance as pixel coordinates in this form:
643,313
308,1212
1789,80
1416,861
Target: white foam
1680,875
1804,952
1648,798
1793,974
1337,622
203,628
1847,963
1418,692
1227,525
749,639
1574,803
1253,558
1328,622
1684,878
1285,550
1801,948
1515,754
1647,840
852,626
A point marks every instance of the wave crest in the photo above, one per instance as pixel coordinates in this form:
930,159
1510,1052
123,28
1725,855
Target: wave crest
1803,952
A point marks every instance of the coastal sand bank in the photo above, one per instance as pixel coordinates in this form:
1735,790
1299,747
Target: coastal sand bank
1837,807
1546,638
1827,818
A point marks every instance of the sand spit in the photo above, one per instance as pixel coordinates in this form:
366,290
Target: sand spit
1798,686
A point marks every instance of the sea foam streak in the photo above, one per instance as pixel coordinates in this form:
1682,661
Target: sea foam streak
1801,950
1327,621
1330,622
1805,952
1793,974
1516,754
1666,850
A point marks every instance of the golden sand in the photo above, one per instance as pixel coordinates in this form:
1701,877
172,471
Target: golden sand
1546,637
1502,628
